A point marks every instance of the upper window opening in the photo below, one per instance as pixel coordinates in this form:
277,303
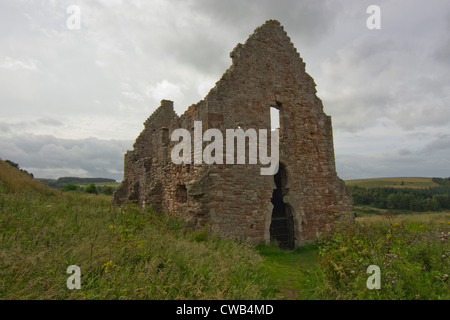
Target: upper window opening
274,118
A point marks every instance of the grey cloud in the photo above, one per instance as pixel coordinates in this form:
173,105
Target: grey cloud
49,122
430,160
4,127
362,166
404,152
23,126
442,52
440,144
44,154
58,80
308,20
384,77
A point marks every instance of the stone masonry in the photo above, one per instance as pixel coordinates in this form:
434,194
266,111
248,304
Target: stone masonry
293,207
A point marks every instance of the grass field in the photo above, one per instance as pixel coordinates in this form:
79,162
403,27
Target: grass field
126,253
397,182
101,184
123,252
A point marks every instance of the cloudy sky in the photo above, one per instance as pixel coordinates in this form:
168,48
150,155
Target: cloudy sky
72,100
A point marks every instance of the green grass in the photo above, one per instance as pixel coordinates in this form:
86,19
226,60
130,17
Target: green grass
127,253
122,251
394,182
412,251
292,273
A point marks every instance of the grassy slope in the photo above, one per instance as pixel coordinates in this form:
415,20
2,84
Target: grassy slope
409,182
12,180
123,252
127,254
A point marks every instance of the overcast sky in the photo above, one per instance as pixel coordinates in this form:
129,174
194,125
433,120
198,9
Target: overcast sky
72,101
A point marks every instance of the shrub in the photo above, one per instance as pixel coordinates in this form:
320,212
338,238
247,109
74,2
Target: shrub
108,190
12,163
91,189
69,187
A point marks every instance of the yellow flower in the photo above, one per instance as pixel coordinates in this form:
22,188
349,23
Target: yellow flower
109,265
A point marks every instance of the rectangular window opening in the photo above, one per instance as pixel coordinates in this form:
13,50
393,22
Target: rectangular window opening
274,118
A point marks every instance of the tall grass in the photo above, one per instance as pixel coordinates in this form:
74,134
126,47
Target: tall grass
12,180
127,253
123,252
413,256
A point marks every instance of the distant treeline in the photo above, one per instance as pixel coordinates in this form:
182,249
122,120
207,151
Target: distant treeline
441,181
60,182
90,188
426,199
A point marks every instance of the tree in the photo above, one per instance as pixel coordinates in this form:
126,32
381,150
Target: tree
91,189
393,201
69,187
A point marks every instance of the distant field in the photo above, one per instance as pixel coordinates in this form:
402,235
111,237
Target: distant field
103,184
397,182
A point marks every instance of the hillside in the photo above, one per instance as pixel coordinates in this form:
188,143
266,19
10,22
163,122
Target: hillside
12,179
123,252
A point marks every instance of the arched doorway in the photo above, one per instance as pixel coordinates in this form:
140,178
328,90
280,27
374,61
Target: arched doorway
282,222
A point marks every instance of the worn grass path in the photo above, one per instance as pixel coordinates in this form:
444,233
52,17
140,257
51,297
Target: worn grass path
293,273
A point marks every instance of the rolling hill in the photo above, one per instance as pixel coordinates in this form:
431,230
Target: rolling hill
393,182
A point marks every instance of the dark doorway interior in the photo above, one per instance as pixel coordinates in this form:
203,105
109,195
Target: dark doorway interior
282,224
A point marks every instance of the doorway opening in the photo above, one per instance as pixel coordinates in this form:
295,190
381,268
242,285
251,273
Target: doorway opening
282,223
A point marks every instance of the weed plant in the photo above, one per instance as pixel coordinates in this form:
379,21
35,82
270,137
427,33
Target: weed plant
413,259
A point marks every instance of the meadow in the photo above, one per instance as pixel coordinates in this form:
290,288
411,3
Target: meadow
393,182
127,253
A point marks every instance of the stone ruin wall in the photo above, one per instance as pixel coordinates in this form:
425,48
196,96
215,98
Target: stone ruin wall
266,72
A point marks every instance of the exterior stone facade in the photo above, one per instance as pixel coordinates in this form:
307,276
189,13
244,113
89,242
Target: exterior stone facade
293,207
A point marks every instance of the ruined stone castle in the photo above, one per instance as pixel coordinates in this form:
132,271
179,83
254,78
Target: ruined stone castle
294,206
